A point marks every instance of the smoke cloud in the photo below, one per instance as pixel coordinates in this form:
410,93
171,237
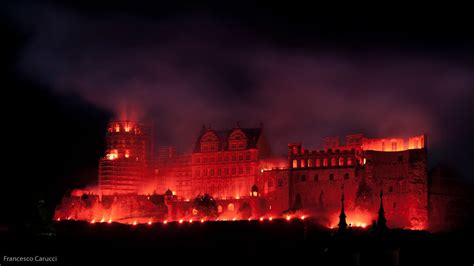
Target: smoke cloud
183,71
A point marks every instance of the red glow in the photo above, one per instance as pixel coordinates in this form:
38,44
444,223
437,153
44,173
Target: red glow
149,222
250,219
110,221
202,220
134,222
59,219
303,217
270,219
233,219
190,220
93,221
261,219
181,221
288,217
102,220
165,221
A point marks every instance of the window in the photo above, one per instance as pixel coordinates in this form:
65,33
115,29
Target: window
212,172
219,158
316,178
226,171
295,164
226,158
333,161
233,158
233,171
394,146
230,207
295,150
302,163
247,157
303,178
318,162
270,183
280,182
219,208
390,189
204,172
349,161
219,172
331,176
346,176
247,170
325,162
211,159
310,163
241,170
241,145
241,157
232,146
341,161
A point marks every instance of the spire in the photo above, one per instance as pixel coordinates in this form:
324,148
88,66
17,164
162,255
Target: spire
381,221
342,217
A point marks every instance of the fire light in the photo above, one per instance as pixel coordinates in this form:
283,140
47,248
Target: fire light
93,221
288,217
261,219
181,221
190,221
202,220
134,222
233,219
110,221
59,219
165,221
303,217
68,218
250,219
270,219
149,222
102,220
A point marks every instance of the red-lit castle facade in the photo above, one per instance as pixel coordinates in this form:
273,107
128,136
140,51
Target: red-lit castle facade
237,168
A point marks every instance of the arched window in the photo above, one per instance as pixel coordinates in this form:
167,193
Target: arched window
333,161
295,164
349,161
310,163
318,162
219,208
302,163
230,207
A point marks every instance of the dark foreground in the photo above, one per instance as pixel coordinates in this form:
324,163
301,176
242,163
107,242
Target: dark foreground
244,242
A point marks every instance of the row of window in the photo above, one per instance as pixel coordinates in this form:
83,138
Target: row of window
341,161
205,147
226,158
303,178
223,171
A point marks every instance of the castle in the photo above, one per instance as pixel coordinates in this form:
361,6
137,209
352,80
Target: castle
238,169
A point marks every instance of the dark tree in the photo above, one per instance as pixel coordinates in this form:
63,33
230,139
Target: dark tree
205,205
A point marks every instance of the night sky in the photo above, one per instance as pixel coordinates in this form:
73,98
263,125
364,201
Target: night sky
304,71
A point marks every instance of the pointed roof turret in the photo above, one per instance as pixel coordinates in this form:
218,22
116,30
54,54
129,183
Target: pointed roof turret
342,216
381,221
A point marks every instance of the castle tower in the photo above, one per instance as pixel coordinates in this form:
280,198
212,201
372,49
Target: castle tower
127,160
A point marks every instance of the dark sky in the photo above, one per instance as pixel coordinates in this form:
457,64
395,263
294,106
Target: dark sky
304,71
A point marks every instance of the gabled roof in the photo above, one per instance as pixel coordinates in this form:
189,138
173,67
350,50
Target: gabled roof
252,134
